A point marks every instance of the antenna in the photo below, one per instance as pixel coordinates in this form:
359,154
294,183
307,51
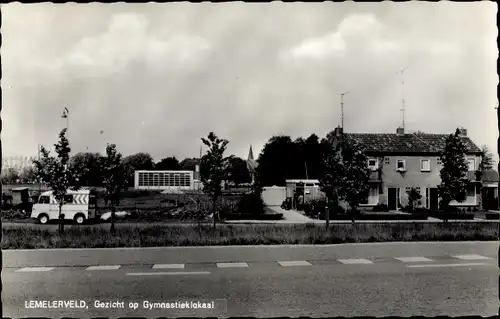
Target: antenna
342,107
403,97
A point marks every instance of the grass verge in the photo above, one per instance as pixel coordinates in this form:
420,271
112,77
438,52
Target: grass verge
203,235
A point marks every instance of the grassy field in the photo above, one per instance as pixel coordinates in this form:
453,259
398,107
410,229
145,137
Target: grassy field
204,235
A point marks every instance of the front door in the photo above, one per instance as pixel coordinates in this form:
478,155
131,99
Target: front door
433,199
392,199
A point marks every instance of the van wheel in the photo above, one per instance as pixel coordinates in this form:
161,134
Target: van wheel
79,219
43,218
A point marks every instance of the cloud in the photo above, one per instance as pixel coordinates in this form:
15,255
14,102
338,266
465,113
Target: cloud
359,30
187,69
128,40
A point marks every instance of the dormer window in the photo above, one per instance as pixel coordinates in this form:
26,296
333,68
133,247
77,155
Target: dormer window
425,165
372,164
401,165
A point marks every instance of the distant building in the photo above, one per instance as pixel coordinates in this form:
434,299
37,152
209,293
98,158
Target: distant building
162,180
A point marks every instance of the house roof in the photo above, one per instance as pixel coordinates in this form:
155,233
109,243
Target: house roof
407,143
490,176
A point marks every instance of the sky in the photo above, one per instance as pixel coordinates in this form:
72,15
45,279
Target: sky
156,78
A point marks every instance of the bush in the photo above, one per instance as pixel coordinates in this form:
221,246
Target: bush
380,208
287,203
335,212
251,204
492,216
413,199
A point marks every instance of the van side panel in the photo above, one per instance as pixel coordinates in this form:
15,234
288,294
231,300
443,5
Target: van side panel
79,205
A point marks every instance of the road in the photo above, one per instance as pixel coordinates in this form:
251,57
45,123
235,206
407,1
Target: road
453,279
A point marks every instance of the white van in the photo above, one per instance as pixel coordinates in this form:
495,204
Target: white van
81,205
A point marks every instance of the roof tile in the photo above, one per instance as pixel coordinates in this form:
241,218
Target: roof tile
407,143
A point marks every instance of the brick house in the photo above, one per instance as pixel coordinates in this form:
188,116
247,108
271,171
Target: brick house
400,161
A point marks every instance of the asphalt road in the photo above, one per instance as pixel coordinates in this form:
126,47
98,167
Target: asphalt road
453,279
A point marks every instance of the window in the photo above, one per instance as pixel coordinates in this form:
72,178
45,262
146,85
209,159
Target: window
387,160
439,161
44,200
425,165
372,164
401,165
68,199
472,164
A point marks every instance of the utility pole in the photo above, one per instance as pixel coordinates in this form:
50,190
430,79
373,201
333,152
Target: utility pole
342,107
402,97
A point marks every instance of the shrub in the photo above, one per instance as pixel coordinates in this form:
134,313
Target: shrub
287,203
251,204
492,216
307,208
380,208
413,199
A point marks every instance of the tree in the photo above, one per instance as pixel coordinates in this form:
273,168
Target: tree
275,162
214,166
355,176
93,175
139,161
189,164
414,197
453,172
331,171
57,173
238,171
10,176
313,156
114,179
27,174
486,159
168,164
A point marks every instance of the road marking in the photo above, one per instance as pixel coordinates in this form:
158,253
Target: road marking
114,267
35,269
168,273
229,265
294,263
447,265
412,259
168,266
471,257
355,261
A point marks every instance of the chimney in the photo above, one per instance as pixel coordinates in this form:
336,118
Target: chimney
400,131
338,132
463,132
337,136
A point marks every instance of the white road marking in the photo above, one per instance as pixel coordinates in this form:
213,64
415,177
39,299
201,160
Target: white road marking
294,263
35,269
168,273
447,265
412,259
113,267
230,265
355,261
168,266
471,257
